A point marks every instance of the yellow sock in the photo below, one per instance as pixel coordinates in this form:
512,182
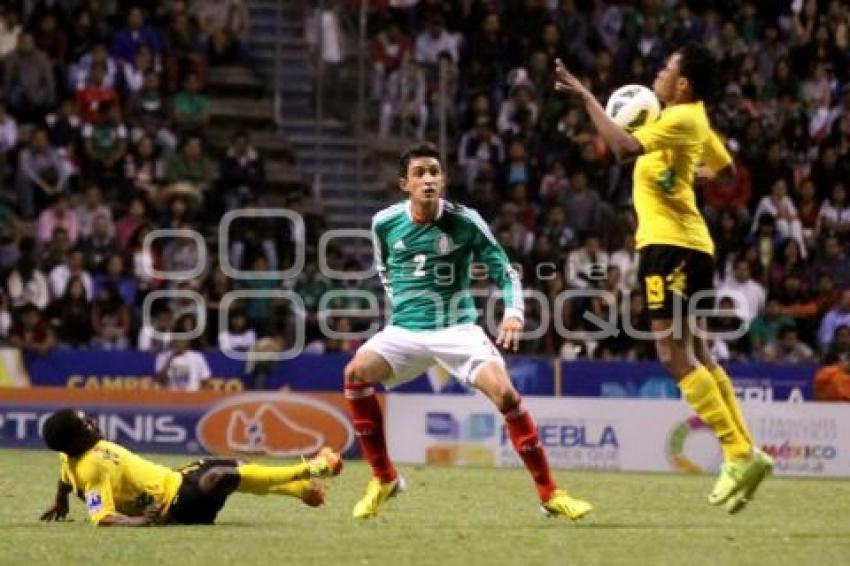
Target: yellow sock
702,394
294,489
727,391
269,479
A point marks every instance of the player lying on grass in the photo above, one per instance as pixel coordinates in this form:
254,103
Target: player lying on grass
122,489
676,261
424,248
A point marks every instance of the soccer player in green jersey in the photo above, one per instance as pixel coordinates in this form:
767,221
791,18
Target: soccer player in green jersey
424,248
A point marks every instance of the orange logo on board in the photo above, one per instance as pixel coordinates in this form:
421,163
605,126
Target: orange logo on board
274,424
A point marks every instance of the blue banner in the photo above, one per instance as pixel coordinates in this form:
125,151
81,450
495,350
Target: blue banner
762,382
94,369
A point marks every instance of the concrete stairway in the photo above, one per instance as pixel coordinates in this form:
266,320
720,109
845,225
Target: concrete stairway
327,156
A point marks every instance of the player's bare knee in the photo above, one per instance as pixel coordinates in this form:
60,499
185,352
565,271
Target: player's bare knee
355,372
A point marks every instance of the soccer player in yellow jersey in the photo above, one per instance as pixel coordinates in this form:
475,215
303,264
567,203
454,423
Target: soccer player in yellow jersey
122,489
677,252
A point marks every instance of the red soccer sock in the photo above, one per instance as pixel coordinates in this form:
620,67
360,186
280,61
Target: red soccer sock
369,426
523,433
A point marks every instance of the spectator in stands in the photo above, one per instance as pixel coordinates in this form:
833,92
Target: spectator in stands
555,186
184,51
54,251
155,334
110,320
26,283
180,368
190,107
73,267
8,141
808,207
259,309
98,57
148,114
832,382
137,33
779,205
481,153
64,130
216,286
558,229
242,172
433,41
521,238
145,171
584,207
626,260
101,244
92,205
41,174
788,260
389,48
520,108
238,336
405,98
219,21
136,216
10,31
31,332
788,349
519,169
52,40
29,86
190,165
588,265
105,144
836,317
95,99
834,215
764,329
733,196
133,73
747,294
70,315
58,214
116,273
831,259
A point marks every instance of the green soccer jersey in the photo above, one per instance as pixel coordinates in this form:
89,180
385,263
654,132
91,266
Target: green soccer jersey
426,268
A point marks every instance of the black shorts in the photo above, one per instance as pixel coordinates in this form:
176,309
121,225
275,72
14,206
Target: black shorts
191,506
670,276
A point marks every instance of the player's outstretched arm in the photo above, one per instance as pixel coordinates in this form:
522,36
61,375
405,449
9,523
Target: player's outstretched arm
623,145
59,510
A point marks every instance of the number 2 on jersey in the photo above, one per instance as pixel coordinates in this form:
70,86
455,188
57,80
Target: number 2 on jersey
419,260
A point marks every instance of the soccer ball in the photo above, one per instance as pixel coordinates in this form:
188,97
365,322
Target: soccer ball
632,106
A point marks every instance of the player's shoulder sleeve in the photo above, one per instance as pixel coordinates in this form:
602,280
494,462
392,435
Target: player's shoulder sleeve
714,154
677,126
95,476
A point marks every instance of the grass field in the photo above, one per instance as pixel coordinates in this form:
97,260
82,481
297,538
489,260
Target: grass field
449,516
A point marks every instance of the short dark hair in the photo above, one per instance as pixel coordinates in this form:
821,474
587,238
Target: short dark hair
66,431
424,149
697,64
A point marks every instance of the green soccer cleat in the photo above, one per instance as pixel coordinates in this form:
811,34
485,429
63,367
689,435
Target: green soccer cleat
376,494
737,502
740,476
562,505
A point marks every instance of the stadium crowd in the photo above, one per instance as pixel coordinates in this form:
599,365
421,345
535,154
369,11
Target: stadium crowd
102,139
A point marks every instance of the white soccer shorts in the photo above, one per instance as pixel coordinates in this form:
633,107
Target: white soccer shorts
460,350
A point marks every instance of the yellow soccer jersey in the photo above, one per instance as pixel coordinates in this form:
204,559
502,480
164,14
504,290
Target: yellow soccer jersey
111,478
665,202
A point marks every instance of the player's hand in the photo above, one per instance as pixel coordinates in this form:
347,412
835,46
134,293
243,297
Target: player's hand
153,513
509,333
57,512
565,81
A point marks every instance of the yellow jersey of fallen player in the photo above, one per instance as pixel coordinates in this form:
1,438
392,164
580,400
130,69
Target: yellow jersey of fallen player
110,478
674,146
